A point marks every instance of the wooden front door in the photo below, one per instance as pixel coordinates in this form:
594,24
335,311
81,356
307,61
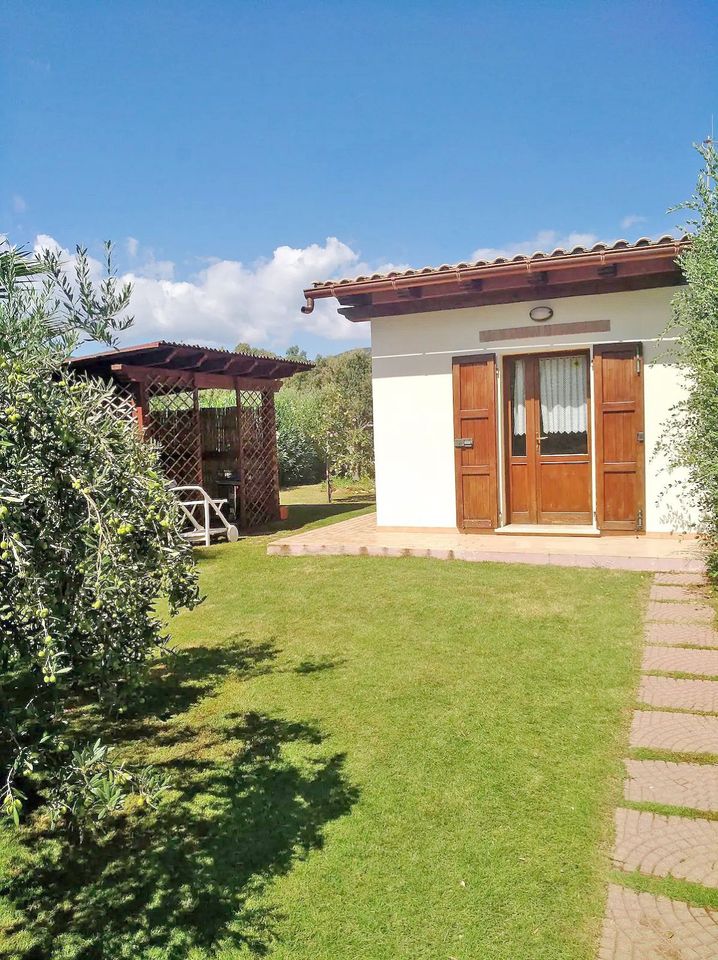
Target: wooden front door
619,436
475,442
548,439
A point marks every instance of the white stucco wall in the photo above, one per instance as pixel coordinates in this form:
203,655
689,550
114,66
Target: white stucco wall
413,400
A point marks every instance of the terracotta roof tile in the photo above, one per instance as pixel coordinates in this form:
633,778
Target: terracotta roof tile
555,254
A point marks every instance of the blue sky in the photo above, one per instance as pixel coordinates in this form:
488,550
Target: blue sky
221,144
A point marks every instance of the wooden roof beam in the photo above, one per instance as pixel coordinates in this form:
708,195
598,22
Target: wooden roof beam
208,364
514,294
410,293
139,374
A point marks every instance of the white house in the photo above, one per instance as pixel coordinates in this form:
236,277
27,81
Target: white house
523,393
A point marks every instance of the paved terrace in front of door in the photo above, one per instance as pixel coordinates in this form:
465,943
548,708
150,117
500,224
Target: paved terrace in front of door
360,536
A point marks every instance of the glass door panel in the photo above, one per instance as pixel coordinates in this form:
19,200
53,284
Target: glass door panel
518,408
563,388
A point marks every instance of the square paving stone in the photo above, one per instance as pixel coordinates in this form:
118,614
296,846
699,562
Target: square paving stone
680,612
670,634
698,695
677,592
685,579
681,660
674,732
661,846
693,785
639,926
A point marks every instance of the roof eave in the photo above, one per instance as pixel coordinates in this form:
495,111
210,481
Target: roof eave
464,274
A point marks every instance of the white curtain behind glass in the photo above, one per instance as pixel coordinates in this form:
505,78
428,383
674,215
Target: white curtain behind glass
563,394
519,410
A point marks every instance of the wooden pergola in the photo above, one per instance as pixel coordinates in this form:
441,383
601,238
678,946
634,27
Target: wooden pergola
210,413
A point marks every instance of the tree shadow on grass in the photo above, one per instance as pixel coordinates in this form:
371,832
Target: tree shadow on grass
318,664
249,802
250,796
183,676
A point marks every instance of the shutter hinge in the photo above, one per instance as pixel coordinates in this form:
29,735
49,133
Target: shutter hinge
639,358
639,519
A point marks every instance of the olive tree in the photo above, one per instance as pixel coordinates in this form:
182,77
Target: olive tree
690,439
89,539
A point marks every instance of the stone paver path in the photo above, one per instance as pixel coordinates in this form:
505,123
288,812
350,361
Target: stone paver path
684,592
680,612
662,846
692,785
682,634
639,926
681,660
674,732
685,579
698,695
678,715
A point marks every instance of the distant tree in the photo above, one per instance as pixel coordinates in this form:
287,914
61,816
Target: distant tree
300,458
324,417
337,423
254,351
296,353
352,402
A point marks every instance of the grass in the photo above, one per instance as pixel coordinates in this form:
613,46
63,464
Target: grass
372,759
343,492
692,893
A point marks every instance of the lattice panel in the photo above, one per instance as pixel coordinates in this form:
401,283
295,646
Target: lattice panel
259,457
122,399
172,424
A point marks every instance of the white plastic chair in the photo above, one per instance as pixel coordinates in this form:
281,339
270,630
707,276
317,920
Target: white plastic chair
194,500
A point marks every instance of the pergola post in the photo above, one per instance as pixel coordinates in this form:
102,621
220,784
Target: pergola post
141,410
240,459
269,412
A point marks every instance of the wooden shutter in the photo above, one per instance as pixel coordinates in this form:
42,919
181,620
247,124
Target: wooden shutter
475,424
618,376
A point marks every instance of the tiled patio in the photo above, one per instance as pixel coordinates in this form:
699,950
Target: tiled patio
361,536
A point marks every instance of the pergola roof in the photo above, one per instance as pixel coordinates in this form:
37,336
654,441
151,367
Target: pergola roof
191,358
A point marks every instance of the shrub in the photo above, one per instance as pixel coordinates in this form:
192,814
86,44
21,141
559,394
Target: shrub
89,539
690,440
300,460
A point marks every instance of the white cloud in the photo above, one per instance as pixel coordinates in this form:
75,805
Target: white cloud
19,204
632,220
544,241
228,301
43,241
132,246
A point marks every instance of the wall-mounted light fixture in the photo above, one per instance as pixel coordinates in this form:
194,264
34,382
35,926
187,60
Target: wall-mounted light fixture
539,314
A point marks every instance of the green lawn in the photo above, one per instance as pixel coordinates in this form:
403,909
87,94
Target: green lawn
374,759
343,492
